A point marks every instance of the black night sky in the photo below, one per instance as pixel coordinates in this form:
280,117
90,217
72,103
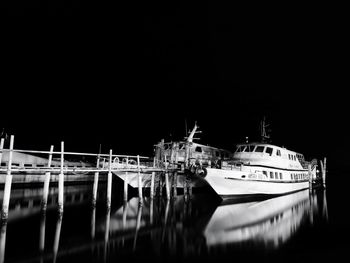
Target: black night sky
129,75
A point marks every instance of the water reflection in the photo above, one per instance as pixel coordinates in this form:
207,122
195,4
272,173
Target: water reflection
2,241
57,237
163,228
271,222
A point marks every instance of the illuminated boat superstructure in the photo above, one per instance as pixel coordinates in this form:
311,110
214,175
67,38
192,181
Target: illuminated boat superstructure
260,168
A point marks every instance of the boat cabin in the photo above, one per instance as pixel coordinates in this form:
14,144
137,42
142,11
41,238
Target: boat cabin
269,155
188,152
197,153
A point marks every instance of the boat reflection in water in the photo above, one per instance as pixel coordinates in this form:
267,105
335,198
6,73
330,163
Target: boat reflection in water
205,224
159,229
270,222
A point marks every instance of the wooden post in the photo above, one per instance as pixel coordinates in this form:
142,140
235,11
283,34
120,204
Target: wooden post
167,188
187,155
184,185
176,153
160,186
61,182
152,185
47,182
126,187
139,179
1,148
95,186
324,172
8,183
310,176
109,181
126,181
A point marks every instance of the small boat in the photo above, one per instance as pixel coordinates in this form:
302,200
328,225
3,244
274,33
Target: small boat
260,168
184,154
189,153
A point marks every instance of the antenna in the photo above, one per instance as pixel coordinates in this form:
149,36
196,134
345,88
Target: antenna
264,136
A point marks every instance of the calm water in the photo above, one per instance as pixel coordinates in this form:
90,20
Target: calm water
299,226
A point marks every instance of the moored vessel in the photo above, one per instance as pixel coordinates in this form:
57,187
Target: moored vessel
260,168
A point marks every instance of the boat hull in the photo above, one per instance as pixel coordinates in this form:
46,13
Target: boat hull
229,183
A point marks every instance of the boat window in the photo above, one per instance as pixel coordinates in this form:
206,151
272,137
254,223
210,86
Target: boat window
280,175
271,175
249,148
181,146
217,154
278,153
269,150
265,173
239,149
198,149
276,175
259,149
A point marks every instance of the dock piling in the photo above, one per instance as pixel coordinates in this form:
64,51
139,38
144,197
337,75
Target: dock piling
175,184
126,187
8,183
109,181
323,169
61,181
310,176
95,186
1,148
152,185
167,188
139,179
47,182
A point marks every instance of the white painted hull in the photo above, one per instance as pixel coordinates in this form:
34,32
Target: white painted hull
230,183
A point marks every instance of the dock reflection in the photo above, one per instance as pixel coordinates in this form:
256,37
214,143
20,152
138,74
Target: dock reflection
179,226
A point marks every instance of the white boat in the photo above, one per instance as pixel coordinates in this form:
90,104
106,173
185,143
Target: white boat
260,169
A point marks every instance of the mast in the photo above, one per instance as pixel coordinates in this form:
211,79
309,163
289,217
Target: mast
193,132
264,136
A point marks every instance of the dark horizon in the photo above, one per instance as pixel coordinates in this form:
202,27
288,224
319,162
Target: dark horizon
126,80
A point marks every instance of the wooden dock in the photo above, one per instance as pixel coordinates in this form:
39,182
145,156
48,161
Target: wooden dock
106,165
